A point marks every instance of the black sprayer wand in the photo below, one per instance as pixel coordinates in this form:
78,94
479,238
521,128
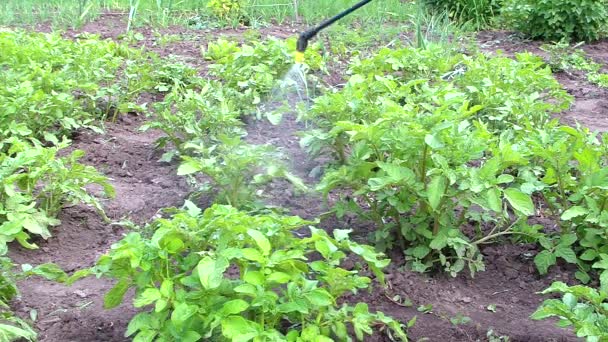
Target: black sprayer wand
307,35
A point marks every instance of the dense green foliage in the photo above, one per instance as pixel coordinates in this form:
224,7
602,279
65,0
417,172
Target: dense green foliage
225,273
442,151
201,120
430,143
579,20
252,70
53,86
582,308
479,13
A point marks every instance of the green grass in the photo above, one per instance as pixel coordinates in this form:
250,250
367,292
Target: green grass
72,13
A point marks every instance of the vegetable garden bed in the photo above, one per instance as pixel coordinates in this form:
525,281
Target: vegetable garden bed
497,302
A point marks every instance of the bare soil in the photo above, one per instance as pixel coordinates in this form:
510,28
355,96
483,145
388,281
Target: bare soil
145,185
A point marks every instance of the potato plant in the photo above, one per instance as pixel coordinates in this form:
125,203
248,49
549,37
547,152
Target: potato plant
581,307
410,172
235,170
36,184
252,70
189,116
494,84
427,142
224,274
572,165
54,86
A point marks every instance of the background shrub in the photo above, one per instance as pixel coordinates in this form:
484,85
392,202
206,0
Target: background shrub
477,12
581,20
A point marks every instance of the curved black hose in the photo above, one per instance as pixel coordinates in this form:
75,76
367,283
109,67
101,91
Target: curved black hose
305,36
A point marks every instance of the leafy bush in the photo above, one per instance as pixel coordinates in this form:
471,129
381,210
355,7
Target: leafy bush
428,143
572,169
581,307
53,86
478,12
579,20
36,184
227,9
50,84
495,84
253,70
224,273
189,116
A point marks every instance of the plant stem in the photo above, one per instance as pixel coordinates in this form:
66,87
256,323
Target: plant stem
423,167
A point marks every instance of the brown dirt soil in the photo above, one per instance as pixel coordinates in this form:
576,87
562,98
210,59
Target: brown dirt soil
144,186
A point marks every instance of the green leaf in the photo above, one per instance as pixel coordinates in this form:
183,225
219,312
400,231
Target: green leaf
254,278
247,289
567,240
260,240
182,312
436,190
543,261
604,281
166,288
35,226
520,201
149,296
190,336
440,241
504,179
583,277
115,296
397,173
319,297
188,167
566,253
211,272
570,300
49,272
252,254
589,255
234,307
278,277
433,142
573,212
239,329
494,199
420,251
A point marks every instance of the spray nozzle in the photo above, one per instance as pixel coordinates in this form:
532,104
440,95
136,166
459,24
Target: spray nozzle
303,40
299,57
302,45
